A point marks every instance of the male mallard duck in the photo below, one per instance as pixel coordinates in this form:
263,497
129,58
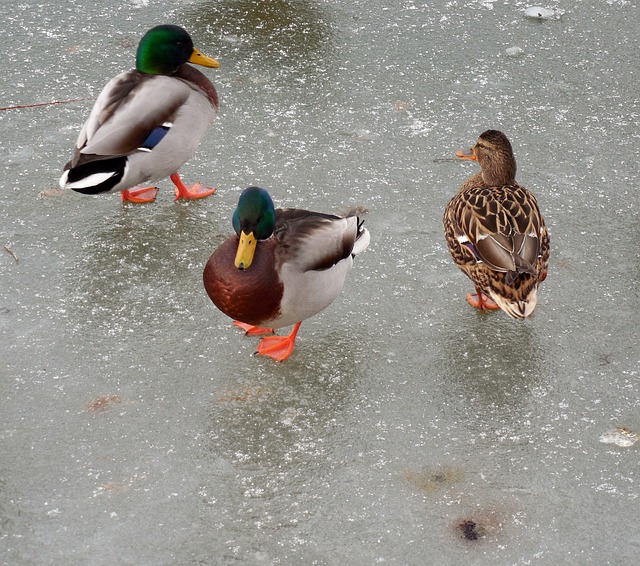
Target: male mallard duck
147,122
495,231
284,266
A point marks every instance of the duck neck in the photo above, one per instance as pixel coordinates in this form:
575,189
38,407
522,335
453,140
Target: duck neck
497,172
194,76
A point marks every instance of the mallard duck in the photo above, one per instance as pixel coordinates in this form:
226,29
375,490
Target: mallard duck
282,267
495,231
146,122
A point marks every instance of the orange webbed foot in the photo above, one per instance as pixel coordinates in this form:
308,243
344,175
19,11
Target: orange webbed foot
251,330
192,192
278,348
144,194
481,301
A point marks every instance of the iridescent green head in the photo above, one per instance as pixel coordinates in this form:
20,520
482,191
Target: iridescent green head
254,219
164,48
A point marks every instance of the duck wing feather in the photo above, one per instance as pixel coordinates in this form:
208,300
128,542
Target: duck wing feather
501,225
314,240
126,112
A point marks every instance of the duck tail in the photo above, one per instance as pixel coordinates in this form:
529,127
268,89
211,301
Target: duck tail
520,309
94,177
362,239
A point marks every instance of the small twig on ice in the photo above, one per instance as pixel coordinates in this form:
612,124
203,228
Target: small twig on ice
11,253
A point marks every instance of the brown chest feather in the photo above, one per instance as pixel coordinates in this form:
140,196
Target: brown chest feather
251,296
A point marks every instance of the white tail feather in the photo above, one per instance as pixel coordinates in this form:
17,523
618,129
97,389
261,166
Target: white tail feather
362,243
517,309
85,182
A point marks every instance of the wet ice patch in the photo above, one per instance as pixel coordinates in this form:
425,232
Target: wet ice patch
620,436
434,479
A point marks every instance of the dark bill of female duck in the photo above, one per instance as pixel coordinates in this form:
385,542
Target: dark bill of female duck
147,122
282,267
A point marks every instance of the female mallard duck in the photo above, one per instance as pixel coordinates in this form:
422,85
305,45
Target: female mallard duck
284,266
495,231
147,122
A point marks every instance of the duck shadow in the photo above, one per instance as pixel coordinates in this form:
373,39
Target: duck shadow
492,362
144,267
283,413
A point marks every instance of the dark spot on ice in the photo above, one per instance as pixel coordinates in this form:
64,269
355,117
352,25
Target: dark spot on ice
470,529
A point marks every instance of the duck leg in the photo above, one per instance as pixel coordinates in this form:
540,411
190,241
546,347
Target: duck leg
480,301
194,191
142,194
278,347
251,330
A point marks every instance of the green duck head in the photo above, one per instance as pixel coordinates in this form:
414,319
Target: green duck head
164,48
254,219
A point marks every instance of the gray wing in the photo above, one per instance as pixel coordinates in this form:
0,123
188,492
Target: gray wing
129,107
313,240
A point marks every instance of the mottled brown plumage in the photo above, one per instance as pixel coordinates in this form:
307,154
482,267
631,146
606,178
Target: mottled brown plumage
250,295
495,231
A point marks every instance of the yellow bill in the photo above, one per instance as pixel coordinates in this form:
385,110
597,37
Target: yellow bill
246,250
199,59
